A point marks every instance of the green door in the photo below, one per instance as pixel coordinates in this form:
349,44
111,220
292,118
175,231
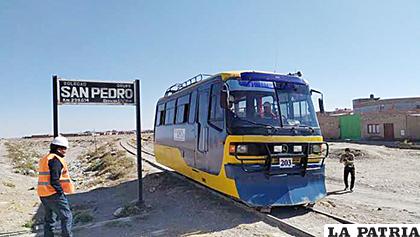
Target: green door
350,127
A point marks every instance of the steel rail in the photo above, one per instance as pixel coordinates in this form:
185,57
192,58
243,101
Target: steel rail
271,218
281,224
275,221
15,233
332,216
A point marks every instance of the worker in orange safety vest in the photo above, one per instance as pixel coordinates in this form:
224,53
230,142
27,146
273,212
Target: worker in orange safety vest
53,183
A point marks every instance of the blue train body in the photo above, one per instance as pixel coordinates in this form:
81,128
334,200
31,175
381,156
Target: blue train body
251,135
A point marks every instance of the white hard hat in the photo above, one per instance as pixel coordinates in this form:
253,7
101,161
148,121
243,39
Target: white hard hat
61,141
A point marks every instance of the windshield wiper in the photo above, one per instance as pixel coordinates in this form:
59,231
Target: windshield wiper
304,126
255,123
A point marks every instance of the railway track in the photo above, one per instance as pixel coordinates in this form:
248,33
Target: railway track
274,218
15,233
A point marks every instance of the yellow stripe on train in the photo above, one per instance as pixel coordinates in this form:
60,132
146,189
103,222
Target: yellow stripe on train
172,158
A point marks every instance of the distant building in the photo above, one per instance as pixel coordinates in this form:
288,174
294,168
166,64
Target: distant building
376,105
38,136
79,134
330,122
375,119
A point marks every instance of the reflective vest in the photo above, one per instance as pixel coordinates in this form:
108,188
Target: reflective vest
44,186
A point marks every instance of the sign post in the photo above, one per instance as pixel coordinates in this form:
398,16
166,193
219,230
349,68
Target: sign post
138,138
55,106
96,92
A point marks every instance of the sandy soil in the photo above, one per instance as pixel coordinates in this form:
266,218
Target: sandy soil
18,200
173,207
387,184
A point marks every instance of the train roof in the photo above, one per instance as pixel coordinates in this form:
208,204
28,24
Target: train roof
241,75
263,76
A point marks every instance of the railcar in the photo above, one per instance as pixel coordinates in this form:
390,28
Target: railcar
251,135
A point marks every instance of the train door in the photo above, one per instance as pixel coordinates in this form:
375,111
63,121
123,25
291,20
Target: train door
192,119
211,132
216,131
203,129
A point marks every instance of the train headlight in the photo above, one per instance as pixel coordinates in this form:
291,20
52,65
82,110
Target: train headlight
241,149
281,149
297,148
316,148
277,149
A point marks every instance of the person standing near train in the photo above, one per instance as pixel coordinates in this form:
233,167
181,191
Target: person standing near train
348,160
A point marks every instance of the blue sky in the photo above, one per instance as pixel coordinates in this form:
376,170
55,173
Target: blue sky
347,49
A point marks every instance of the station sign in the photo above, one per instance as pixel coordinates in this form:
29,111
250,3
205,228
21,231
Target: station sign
100,93
95,92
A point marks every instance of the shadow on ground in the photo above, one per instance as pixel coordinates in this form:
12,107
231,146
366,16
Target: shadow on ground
174,207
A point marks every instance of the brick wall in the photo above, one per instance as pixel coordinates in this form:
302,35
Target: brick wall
330,126
413,127
386,105
399,121
406,126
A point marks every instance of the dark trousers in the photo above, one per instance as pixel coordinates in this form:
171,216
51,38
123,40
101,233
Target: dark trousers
57,205
349,170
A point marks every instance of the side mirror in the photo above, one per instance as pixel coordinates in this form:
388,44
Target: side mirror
321,105
320,101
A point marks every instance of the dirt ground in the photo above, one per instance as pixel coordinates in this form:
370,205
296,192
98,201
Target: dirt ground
173,207
387,185
18,199
386,191
17,196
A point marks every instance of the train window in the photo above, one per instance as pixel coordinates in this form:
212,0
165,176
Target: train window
239,107
216,112
182,109
193,106
203,106
265,106
160,115
170,112
284,111
186,112
300,109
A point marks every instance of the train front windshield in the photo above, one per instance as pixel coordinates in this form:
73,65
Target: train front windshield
259,105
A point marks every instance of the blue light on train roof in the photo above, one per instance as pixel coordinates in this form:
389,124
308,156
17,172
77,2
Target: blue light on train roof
260,84
271,77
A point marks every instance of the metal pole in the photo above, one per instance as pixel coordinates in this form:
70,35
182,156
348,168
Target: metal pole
55,105
94,140
138,137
